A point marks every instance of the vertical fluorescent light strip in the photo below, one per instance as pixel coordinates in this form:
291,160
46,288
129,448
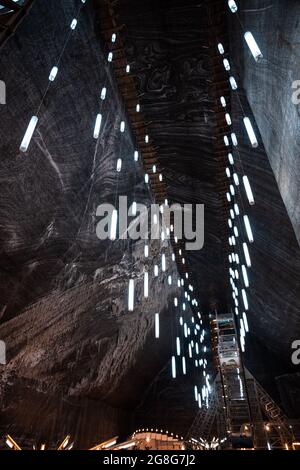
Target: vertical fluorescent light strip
233,6
146,285
234,139
233,83
53,73
157,325
247,255
173,367
113,37
196,392
221,48
183,365
113,226
131,295
199,401
250,132
146,251
119,165
253,46
163,262
103,93
155,270
178,346
226,65
248,229
245,276
122,126
136,155
245,299
245,322
248,190
110,57
28,134
97,126
73,24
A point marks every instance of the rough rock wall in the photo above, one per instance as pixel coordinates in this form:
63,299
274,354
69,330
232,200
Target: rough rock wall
275,25
73,349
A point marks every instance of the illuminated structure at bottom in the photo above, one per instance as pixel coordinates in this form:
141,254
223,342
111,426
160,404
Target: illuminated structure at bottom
240,413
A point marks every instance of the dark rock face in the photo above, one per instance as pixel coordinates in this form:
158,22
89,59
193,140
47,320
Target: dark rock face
275,25
73,349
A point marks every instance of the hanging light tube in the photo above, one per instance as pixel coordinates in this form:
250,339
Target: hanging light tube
155,270
103,93
228,119
113,37
73,24
221,48
113,227
236,179
28,134
226,65
233,6
157,325
119,165
248,190
223,101
146,284
173,367
250,132
247,255
234,139
248,229
183,365
233,83
127,68
230,159
122,126
245,276
196,392
131,295
110,57
163,262
97,126
245,322
245,299
146,251
136,155
53,73
253,46
178,349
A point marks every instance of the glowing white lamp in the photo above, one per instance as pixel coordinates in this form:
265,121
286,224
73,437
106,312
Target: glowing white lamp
28,134
248,190
178,349
119,165
136,155
97,126
73,23
122,126
247,255
245,276
131,295
53,73
146,285
253,46
233,6
226,65
245,299
103,93
250,132
173,367
233,83
221,48
183,365
248,229
157,325
113,227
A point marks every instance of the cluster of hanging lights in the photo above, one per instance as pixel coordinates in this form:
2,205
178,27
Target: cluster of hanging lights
189,352
239,263
51,78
